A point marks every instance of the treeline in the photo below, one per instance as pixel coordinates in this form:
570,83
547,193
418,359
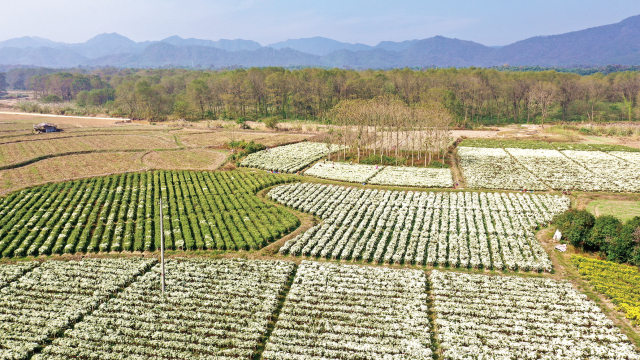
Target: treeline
605,234
471,95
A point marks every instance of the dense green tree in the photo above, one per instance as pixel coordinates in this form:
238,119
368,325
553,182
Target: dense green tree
575,226
604,229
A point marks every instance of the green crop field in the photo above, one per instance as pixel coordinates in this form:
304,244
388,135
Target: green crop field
202,210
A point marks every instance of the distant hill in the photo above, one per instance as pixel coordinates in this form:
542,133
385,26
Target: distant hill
318,45
224,44
616,44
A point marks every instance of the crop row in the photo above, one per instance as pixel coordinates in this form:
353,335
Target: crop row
229,309
621,283
489,230
539,169
202,210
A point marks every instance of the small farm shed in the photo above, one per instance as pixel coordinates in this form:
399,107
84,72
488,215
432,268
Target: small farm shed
45,128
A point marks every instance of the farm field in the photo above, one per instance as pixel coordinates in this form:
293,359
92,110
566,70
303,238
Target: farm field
202,210
538,168
498,316
382,175
13,153
353,312
621,283
289,158
622,209
489,230
55,295
272,310
212,309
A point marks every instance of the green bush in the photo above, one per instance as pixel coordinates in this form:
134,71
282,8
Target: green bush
575,226
271,123
624,247
605,228
51,99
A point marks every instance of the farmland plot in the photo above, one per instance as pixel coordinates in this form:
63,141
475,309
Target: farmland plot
494,168
412,176
55,295
490,317
11,153
289,158
10,273
459,229
560,172
213,309
202,210
619,282
620,175
349,312
358,173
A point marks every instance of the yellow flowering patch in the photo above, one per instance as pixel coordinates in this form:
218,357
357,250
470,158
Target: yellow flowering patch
621,283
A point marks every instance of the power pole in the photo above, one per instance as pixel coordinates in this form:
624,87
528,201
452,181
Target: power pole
161,249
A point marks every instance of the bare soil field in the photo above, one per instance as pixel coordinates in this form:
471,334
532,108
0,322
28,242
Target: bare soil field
187,159
220,137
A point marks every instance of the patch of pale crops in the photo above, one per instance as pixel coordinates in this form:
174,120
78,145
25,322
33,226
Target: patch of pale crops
539,169
503,317
350,312
213,309
489,230
494,168
10,273
412,176
289,158
53,296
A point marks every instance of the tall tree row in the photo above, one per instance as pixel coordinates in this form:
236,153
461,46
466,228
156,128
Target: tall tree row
387,126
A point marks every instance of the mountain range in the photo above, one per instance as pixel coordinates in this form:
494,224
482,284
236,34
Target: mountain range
598,46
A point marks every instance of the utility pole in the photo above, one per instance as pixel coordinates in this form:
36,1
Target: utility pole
161,249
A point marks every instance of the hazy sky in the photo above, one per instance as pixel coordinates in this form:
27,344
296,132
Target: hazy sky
490,22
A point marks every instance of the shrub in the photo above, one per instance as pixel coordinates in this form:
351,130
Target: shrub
605,228
575,226
51,99
271,123
624,247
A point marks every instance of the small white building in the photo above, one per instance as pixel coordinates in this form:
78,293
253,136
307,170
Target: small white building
45,128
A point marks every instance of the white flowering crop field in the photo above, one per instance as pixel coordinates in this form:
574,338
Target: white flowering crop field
289,158
9,273
539,169
494,168
506,317
412,176
338,311
460,229
214,309
382,175
343,172
56,294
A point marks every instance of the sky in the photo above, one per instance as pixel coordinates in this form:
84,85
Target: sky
489,22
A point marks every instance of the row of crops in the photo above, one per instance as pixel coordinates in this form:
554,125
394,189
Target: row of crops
202,210
460,229
242,309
